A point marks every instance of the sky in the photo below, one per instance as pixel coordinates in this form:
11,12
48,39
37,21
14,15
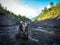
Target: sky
29,8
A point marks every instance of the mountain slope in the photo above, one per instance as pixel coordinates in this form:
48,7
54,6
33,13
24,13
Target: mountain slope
49,13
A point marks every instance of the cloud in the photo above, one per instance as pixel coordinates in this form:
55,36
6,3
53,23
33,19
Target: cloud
18,8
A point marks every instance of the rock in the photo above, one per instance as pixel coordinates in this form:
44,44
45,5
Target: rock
8,30
52,23
7,20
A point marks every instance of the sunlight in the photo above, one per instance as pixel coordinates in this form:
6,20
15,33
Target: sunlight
18,8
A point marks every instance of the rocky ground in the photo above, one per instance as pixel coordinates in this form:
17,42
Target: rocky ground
40,37
49,23
48,35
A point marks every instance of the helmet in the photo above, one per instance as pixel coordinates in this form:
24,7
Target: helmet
21,21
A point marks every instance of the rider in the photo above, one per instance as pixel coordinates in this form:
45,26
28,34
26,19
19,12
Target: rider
24,25
23,28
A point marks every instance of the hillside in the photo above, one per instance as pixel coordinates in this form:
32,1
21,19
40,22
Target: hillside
49,13
16,17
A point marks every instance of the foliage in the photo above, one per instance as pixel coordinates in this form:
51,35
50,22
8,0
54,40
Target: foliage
49,13
44,10
51,4
18,17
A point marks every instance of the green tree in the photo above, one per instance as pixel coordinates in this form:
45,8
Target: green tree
44,10
24,17
0,6
58,5
51,4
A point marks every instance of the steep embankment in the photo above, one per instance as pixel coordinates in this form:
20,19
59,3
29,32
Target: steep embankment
49,17
54,22
48,13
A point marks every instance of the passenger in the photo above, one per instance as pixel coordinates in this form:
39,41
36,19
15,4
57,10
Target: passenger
24,25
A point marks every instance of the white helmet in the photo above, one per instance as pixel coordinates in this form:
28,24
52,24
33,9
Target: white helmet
21,21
